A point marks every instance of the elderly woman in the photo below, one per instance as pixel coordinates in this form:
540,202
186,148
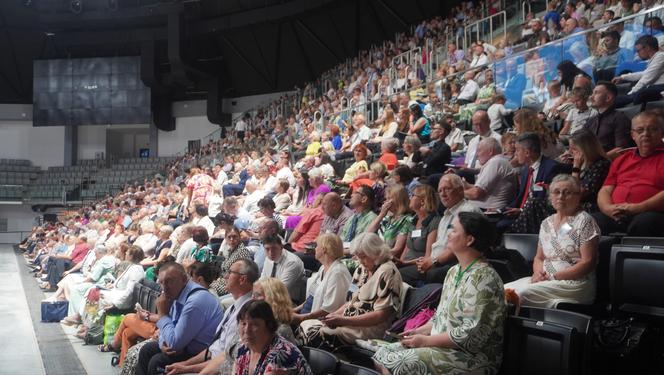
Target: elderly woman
315,195
263,351
411,149
147,240
104,264
372,308
563,269
424,233
118,237
314,144
327,288
466,333
274,292
360,153
388,153
374,178
119,293
236,251
394,222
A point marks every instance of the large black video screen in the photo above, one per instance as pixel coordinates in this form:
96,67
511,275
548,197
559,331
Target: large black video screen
94,91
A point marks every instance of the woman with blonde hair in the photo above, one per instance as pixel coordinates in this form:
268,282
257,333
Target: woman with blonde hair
327,288
274,292
526,121
394,222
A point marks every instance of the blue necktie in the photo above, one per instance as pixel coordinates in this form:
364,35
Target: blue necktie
353,227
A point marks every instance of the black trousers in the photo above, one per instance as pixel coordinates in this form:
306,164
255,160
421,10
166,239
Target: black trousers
413,277
152,361
645,224
56,267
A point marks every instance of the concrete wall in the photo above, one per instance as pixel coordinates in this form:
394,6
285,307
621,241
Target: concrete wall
44,146
186,129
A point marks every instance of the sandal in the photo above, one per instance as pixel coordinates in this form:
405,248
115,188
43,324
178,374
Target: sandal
106,348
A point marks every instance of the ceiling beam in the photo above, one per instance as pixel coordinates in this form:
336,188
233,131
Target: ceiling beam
303,52
318,40
245,59
393,14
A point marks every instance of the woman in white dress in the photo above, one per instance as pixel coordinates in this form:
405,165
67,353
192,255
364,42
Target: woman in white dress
564,267
119,294
327,288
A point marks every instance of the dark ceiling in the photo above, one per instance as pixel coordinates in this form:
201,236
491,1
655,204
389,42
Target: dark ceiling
245,47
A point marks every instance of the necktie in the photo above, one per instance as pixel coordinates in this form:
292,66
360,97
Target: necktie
353,227
274,270
529,181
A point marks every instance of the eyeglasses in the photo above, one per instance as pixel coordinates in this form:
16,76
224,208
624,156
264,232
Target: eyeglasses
236,272
564,192
651,130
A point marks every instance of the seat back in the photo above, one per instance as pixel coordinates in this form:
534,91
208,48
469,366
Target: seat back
643,241
536,347
636,275
525,244
320,361
348,369
415,295
630,111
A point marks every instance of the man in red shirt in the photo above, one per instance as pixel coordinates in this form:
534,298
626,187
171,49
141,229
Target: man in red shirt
632,198
59,263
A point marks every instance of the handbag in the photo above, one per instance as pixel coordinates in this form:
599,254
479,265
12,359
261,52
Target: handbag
620,337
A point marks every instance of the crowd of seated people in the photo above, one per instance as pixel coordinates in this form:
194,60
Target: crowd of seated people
286,239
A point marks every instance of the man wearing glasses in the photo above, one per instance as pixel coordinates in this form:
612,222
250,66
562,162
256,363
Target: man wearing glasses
632,198
650,82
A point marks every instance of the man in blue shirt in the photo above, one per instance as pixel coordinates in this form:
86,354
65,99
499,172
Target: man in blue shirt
188,319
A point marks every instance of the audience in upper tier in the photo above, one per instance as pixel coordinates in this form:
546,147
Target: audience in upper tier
394,172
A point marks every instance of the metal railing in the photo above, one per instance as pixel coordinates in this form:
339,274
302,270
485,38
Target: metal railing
485,27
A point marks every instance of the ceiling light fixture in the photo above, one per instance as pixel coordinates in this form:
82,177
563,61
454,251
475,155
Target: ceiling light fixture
76,6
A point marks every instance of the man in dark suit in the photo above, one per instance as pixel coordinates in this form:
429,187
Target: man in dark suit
439,154
535,177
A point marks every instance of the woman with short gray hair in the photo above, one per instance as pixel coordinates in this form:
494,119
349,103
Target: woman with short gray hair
371,309
564,267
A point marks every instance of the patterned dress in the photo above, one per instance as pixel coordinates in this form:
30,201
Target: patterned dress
279,355
379,291
473,314
391,228
562,249
201,254
219,285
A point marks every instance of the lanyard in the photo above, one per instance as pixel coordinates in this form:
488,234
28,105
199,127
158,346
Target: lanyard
458,276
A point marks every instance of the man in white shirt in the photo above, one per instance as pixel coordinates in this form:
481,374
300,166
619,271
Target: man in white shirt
284,172
240,128
480,58
497,112
495,186
239,283
284,266
363,132
469,90
650,82
481,126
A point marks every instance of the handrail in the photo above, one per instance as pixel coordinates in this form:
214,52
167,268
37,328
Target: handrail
479,25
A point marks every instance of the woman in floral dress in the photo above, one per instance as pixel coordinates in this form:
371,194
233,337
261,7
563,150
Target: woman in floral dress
263,351
466,334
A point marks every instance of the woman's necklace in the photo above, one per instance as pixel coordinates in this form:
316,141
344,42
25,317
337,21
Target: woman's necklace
459,275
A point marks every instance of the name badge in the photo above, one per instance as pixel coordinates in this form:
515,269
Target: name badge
538,188
565,228
416,233
346,245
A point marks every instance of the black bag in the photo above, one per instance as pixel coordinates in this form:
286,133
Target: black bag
620,337
94,334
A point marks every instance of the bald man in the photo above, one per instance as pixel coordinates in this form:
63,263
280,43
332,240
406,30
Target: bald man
336,214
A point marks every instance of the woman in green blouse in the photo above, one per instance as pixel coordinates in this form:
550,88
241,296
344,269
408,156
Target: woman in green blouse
466,333
201,252
394,222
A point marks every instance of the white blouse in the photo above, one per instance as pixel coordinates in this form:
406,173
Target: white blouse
329,289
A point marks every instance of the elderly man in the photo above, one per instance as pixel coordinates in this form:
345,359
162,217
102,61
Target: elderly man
285,266
495,185
482,127
188,318
433,269
361,201
469,90
336,214
650,82
632,198
239,283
